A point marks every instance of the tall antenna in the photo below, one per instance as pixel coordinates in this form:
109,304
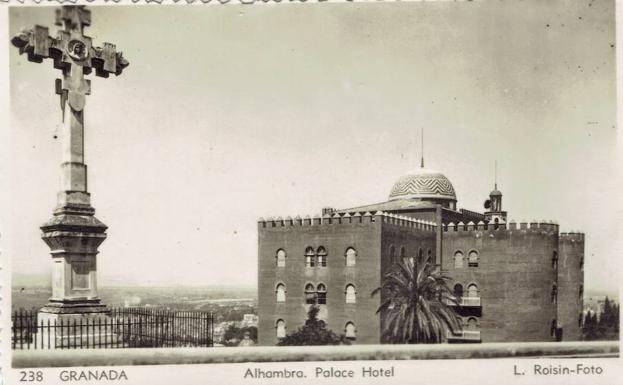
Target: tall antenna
496,174
422,148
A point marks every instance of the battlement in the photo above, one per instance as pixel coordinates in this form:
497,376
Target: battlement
571,237
548,226
401,220
347,218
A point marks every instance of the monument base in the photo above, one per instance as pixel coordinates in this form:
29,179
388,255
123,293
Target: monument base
78,325
76,308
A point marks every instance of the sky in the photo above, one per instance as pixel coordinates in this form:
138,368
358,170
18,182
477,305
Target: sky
231,113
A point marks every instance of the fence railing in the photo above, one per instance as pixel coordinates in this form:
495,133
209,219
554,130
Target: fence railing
121,328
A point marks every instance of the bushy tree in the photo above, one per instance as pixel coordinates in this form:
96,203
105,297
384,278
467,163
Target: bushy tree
604,327
414,308
233,335
314,332
589,327
608,325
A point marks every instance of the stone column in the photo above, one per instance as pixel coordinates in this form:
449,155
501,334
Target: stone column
73,234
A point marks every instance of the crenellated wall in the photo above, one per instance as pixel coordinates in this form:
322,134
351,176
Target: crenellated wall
512,225
527,274
570,284
347,219
514,277
363,232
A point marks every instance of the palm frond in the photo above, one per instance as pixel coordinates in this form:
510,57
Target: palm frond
414,303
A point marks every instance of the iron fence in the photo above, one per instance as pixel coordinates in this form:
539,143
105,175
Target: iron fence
119,328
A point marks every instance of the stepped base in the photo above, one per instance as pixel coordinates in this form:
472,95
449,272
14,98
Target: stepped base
77,309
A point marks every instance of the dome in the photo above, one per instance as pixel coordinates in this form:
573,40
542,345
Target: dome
423,184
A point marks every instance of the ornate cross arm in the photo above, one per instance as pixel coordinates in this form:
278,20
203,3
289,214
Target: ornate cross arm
72,52
66,50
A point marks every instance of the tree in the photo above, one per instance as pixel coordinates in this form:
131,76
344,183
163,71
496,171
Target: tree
414,308
604,326
608,325
314,332
233,335
589,328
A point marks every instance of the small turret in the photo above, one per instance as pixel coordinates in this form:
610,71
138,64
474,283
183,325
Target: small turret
494,203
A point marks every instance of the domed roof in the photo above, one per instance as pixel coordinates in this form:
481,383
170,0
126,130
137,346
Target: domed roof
423,183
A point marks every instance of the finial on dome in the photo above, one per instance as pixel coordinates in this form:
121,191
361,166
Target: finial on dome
422,148
495,173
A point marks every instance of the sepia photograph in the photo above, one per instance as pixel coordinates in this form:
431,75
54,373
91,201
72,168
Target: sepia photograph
338,192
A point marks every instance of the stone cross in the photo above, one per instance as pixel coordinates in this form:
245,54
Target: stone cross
73,234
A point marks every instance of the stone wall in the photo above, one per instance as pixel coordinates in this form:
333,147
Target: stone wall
521,289
369,234
514,277
362,232
172,356
570,281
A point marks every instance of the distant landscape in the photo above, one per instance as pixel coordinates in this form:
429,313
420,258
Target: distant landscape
227,303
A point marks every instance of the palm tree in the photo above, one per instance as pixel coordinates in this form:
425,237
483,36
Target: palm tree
415,303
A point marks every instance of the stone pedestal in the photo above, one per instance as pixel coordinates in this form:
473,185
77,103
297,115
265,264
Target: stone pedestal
73,235
75,316
78,330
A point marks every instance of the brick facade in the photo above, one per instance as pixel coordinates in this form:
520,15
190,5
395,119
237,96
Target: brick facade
523,282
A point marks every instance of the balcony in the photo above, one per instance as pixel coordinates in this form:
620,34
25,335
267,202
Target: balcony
464,336
465,302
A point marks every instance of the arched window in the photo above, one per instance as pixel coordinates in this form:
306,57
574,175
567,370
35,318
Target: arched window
458,260
429,257
321,256
392,254
351,257
310,294
281,328
581,291
555,260
496,223
420,255
310,257
322,294
458,290
472,324
472,260
281,258
281,292
350,331
403,254
351,294
472,291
